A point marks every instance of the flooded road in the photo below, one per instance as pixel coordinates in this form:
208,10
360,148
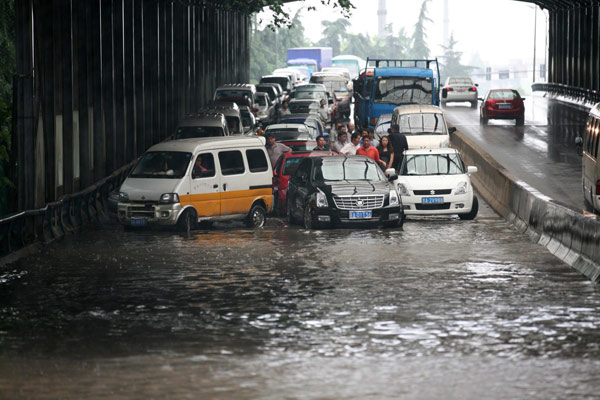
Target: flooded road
441,309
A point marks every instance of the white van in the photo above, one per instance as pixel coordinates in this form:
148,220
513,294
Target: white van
424,126
591,166
183,182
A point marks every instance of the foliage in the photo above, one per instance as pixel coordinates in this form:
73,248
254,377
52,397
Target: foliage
419,48
7,70
451,65
333,34
268,47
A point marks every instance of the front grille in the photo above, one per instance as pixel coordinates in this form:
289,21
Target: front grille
431,207
428,192
141,209
368,202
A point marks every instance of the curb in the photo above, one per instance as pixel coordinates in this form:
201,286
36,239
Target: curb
565,232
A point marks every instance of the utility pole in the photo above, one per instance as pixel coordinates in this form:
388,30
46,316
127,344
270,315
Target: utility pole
534,37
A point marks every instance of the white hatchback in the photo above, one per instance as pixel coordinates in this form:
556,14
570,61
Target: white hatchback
436,181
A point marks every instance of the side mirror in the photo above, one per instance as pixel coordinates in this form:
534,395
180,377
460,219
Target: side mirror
523,98
579,145
480,99
471,169
477,85
444,93
451,130
391,174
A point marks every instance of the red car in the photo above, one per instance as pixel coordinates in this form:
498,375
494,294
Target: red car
502,104
284,168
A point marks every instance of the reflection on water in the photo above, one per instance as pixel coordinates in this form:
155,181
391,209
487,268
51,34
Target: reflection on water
234,313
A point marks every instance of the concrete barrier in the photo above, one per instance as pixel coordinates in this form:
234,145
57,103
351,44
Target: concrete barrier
566,233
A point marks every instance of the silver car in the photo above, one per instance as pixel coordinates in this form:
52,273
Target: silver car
459,89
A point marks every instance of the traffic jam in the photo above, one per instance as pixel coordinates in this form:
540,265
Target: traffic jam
323,142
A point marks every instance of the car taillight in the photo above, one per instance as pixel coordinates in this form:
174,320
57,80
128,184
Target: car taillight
598,188
449,89
473,89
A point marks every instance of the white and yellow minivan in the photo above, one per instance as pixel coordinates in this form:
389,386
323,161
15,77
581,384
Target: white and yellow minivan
183,182
591,166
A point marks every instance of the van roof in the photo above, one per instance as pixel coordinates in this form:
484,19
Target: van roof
210,143
209,118
418,109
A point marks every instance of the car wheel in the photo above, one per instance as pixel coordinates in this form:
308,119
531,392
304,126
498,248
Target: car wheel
442,103
256,217
483,120
474,104
309,222
473,213
188,221
520,121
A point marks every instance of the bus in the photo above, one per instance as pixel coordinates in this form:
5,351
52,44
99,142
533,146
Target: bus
591,166
352,63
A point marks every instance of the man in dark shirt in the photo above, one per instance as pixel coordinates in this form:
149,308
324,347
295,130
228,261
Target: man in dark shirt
399,144
321,144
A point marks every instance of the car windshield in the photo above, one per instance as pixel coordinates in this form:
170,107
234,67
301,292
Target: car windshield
348,170
432,164
504,95
189,132
306,94
233,123
162,164
460,81
291,165
404,91
351,65
302,108
262,101
283,81
226,93
335,86
422,124
383,124
287,133
271,93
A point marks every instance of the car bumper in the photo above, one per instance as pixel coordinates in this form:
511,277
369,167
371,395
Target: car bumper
467,96
134,214
503,114
336,217
452,204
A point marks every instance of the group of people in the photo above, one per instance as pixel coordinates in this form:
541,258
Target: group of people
388,152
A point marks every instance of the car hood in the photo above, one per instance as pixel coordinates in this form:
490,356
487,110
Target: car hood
427,141
146,189
355,188
432,182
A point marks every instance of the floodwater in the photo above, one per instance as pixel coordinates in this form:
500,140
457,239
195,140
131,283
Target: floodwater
443,308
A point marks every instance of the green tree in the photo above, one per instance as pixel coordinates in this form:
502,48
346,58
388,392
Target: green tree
419,48
7,71
333,34
451,65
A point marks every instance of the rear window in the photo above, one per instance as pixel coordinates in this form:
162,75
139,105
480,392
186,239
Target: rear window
232,93
504,95
189,132
257,162
460,81
287,134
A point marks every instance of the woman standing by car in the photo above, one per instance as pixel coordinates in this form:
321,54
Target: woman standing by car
386,152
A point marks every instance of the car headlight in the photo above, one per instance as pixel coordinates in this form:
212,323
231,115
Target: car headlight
123,197
403,190
169,198
321,199
394,200
462,188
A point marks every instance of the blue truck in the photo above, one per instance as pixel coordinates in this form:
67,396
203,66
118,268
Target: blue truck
315,58
388,83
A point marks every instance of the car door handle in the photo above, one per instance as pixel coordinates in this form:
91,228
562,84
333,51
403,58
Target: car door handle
215,186
224,187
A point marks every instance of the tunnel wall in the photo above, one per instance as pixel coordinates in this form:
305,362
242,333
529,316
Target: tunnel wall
574,52
100,81
568,234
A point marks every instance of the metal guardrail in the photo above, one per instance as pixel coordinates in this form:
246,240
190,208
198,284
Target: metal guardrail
575,93
56,219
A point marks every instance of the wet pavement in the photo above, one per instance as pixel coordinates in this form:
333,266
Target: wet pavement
542,153
442,308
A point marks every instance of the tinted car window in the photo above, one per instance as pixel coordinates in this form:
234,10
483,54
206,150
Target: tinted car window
231,162
204,166
288,133
188,132
257,162
291,165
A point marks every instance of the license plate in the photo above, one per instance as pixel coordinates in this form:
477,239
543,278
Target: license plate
460,90
361,214
504,106
432,200
138,221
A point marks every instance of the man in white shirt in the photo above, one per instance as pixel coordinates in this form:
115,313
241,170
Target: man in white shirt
350,148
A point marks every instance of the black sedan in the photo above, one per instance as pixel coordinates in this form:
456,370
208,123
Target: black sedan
340,190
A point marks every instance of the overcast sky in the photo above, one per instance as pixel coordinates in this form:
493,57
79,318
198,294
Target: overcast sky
500,31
